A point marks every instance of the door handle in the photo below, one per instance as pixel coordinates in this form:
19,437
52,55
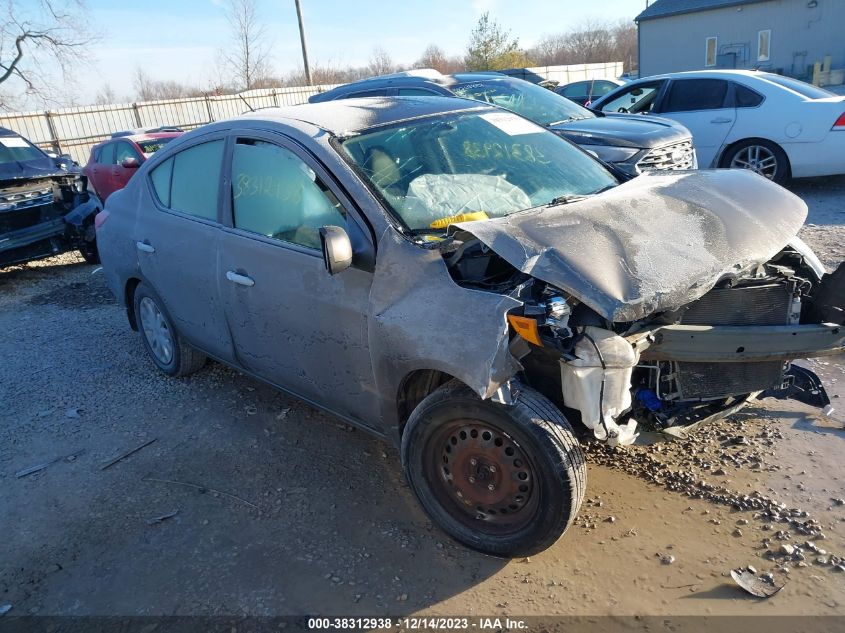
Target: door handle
145,247
721,120
241,280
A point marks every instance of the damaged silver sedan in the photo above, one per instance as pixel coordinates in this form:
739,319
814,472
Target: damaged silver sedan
471,287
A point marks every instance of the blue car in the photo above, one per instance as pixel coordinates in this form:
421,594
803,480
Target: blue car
45,208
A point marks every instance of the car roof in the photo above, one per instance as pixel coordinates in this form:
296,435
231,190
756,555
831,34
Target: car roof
717,74
348,116
409,79
148,137
4,131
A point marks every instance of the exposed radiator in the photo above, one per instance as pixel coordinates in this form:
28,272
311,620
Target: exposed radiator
750,305
716,380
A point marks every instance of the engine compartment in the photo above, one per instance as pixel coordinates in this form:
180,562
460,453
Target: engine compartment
593,368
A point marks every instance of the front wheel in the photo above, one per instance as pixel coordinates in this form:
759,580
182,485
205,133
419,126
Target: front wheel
89,252
760,156
506,480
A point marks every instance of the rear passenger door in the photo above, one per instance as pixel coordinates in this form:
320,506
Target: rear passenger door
292,322
705,107
176,242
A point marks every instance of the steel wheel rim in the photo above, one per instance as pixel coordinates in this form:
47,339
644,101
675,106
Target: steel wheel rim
758,158
156,331
482,477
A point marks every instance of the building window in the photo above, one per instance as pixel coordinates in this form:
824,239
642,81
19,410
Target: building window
710,52
764,40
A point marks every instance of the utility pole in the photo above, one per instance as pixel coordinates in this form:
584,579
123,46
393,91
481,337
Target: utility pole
302,39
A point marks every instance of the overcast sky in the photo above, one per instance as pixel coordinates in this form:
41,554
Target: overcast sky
180,39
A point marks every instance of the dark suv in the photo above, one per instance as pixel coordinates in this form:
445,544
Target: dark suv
630,143
45,207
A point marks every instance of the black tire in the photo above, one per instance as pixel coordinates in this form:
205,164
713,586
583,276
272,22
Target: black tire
89,252
737,153
532,431
183,359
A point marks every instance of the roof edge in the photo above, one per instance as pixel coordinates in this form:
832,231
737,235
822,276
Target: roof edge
644,18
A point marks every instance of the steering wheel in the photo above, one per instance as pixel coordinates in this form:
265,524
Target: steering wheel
623,110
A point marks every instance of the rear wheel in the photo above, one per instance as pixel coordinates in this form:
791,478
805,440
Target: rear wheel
760,156
170,353
505,480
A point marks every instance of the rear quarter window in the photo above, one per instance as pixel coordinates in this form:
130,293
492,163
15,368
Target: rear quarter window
745,97
190,181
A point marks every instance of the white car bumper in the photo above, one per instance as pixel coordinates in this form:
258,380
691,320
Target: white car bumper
825,158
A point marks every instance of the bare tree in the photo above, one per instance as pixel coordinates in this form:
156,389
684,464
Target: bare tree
38,33
380,62
435,57
148,89
247,61
491,47
105,95
590,42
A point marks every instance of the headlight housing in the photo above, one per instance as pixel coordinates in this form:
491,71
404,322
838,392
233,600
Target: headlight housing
613,154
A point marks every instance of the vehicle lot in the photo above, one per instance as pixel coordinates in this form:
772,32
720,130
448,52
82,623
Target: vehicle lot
283,510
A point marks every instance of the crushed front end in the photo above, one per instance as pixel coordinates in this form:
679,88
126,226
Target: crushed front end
42,216
675,370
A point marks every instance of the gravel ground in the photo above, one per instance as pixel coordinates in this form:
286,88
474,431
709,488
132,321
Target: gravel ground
245,501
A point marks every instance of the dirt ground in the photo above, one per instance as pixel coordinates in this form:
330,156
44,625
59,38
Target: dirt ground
275,508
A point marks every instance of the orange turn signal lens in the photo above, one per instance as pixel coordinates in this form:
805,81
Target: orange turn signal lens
526,328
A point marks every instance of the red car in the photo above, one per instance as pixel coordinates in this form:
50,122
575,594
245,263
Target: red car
113,162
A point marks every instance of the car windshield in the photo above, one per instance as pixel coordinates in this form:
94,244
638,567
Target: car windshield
153,145
488,163
802,88
14,149
529,100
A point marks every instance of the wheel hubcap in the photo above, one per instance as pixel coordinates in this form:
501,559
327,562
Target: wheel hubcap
156,332
757,158
482,474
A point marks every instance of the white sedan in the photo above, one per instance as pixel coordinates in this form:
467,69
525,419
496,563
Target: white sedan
777,126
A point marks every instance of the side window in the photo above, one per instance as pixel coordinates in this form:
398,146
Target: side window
578,89
416,92
746,97
190,180
274,193
637,99
95,154
123,151
381,92
106,154
601,88
686,95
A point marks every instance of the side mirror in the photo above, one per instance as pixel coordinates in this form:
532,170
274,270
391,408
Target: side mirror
337,249
130,163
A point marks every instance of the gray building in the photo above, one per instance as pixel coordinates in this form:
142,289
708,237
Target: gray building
784,36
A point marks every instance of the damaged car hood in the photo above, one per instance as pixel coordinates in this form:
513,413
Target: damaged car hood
652,244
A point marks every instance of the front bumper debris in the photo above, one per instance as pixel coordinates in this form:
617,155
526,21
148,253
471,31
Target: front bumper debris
735,344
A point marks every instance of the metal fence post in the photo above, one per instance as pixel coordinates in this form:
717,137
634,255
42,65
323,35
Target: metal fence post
208,108
137,114
54,136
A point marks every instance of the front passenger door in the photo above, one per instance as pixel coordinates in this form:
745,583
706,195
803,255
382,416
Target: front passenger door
291,322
